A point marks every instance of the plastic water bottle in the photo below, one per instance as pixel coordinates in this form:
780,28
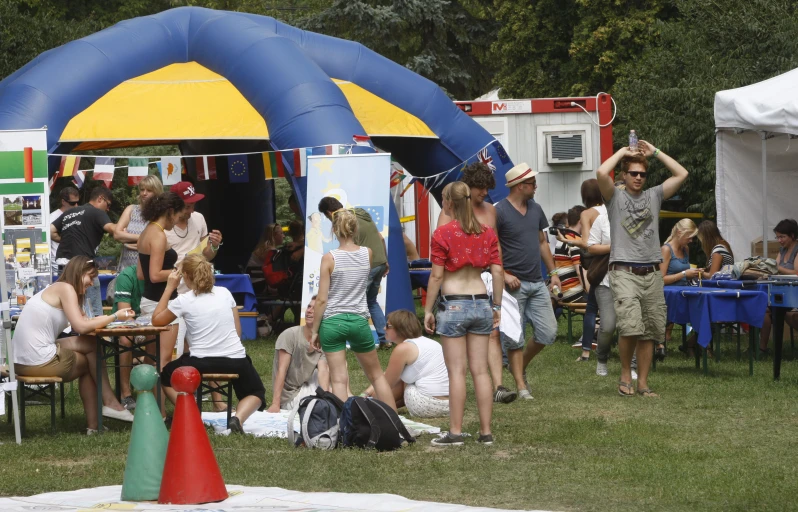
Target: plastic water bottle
633,140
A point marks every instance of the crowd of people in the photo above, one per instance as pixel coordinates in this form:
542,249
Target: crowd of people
493,273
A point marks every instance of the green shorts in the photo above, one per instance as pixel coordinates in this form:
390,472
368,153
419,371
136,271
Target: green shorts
639,304
336,330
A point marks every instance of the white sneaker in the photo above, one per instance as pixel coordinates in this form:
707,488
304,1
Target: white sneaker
634,375
123,415
601,369
524,394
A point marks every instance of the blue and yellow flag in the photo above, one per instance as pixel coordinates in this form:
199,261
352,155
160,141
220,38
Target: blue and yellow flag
238,167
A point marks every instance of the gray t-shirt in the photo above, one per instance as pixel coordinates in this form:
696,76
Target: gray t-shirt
519,238
634,224
293,341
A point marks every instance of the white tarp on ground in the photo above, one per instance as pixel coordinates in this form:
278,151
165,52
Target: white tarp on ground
242,499
770,106
267,424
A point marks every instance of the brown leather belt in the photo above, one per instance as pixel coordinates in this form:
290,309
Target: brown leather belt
638,271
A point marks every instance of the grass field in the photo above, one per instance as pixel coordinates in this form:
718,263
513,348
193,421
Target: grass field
722,442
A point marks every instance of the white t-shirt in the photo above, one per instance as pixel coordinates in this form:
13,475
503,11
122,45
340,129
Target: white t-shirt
184,240
600,235
428,372
53,243
210,324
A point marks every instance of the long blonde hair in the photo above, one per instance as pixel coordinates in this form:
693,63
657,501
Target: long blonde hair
344,224
459,195
683,227
199,272
266,242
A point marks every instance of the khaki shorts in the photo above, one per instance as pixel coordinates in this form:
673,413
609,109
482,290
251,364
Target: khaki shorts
639,304
59,366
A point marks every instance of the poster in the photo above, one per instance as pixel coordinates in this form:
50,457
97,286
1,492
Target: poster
32,210
12,210
357,181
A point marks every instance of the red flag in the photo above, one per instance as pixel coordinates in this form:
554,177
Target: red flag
206,168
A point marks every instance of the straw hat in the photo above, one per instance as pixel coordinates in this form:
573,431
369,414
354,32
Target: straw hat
519,174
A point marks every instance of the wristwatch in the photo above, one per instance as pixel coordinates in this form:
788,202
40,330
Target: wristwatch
497,307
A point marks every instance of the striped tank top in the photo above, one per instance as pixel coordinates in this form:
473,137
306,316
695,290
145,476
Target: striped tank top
348,283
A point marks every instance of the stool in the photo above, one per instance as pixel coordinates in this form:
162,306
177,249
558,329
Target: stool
573,309
28,388
211,383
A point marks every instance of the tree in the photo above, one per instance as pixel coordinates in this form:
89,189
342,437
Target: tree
445,41
667,95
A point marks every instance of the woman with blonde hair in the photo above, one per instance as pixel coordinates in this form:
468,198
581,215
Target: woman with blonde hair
213,331
465,318
675,268
131,221
342,313
416,370
271,239
41,350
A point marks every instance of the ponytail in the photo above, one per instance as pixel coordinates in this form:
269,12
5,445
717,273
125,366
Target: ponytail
199,272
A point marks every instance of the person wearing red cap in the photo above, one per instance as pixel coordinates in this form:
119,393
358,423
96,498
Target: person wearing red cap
190,227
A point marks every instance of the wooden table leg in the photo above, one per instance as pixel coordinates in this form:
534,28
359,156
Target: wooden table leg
778,339
100,355
117,368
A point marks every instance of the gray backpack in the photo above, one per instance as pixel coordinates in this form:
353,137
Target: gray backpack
318,419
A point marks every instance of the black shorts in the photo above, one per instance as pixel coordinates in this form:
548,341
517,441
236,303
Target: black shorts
248,382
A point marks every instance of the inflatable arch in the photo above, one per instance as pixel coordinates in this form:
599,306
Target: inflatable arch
302,89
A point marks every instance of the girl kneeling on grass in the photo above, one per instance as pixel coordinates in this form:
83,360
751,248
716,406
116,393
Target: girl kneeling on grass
416,371
213,331
341,312
41,351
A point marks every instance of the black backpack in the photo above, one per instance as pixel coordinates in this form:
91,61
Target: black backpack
318,418
368,423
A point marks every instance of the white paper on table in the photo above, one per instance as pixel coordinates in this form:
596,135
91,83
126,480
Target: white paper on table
510,323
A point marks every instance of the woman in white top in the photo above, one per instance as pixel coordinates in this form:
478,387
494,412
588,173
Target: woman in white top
599,244
342,313
40,352
416,371
214,334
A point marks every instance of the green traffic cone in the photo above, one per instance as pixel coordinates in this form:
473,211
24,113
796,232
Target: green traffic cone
148,441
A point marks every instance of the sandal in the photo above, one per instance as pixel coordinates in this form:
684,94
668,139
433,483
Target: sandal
660,352
582,359
647,393
627,386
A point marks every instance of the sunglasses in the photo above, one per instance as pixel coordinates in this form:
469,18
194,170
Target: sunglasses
72,203
635,174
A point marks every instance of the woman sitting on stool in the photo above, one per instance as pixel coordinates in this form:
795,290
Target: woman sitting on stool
214,335
40,351
416,371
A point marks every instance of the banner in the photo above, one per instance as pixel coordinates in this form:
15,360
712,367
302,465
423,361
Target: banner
357,181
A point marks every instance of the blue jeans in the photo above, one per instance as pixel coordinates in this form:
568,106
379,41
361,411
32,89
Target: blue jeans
456,318
589,320
534,304
94,298
372,290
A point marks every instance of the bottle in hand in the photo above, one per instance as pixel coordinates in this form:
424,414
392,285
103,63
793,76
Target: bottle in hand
633,140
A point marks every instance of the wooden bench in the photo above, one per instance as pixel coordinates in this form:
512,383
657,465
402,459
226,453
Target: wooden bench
573,309
31,388
221,383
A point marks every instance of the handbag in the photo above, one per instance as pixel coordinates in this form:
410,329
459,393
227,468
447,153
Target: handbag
598,269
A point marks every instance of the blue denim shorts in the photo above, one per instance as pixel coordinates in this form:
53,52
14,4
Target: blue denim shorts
455,318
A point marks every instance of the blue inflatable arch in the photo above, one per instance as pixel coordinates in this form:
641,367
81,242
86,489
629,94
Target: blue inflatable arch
285,73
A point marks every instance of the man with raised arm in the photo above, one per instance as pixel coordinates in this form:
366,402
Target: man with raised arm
635,279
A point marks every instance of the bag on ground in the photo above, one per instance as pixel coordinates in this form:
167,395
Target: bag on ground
318,419
369,423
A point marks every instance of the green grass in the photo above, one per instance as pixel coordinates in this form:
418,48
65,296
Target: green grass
726,441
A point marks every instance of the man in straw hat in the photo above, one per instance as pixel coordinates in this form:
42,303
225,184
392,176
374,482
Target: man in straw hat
635,278
520,223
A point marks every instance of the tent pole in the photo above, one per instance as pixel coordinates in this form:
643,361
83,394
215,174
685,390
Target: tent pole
764,194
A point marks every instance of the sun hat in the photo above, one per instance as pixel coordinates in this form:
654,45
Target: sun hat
519,174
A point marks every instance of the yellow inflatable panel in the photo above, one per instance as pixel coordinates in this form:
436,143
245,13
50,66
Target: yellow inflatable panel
189,101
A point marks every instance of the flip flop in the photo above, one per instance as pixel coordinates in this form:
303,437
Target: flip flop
627,386
647,393
582,359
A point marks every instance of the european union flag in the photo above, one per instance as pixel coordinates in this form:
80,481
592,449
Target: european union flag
501,152
238,167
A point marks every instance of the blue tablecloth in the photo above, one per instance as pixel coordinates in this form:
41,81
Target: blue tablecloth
419,277
702,307
236,283
735,284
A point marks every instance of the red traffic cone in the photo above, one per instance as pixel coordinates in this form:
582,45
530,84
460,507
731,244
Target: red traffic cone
191,474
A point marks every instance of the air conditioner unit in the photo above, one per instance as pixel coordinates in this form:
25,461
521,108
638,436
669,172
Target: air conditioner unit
565,147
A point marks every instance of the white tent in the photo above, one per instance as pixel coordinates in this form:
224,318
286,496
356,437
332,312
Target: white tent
757,159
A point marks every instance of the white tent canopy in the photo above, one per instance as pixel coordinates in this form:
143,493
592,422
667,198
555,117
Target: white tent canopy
757,159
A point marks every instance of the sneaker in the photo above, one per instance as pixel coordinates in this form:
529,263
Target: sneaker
129,403
601,369
486,439
235,426
123,415
524,394
634,375
504,395
449,439
93,431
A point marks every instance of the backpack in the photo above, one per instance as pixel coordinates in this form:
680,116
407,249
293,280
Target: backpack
318,418
368,423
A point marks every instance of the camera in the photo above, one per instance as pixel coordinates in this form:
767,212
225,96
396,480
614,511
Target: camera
560,227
